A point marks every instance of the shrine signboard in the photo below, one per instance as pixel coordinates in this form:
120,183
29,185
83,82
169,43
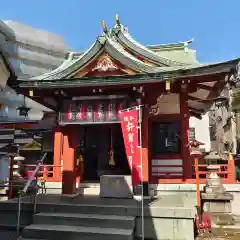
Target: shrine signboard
129,124
93,111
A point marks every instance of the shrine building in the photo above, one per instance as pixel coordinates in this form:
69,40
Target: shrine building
88,89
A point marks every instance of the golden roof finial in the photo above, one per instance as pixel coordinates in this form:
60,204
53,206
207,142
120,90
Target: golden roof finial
104,26
117,20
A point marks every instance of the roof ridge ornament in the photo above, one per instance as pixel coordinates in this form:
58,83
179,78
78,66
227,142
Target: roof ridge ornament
104,26
117,20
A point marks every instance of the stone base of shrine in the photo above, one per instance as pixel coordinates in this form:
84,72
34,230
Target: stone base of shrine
116,186
188,193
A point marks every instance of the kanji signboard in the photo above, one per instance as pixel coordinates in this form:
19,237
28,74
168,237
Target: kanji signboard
91,111
129,124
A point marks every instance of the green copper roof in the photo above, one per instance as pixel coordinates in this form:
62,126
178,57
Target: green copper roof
174,60
172,73
119,44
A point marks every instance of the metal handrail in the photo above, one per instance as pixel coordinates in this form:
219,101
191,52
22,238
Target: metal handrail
24,192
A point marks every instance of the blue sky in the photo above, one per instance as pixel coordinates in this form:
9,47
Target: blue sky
214,24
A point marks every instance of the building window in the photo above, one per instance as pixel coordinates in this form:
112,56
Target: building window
192,134
166,138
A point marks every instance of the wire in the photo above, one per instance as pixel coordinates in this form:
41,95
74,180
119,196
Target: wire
141,162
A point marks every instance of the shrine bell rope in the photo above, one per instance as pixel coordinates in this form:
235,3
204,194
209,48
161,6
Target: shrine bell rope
139,109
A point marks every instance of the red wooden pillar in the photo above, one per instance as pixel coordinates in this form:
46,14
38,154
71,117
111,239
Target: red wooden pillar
58,145
69,160
185,147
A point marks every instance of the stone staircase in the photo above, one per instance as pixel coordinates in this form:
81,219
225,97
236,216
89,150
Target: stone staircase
90,217
73,226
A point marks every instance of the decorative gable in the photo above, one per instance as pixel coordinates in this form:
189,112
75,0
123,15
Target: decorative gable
105,64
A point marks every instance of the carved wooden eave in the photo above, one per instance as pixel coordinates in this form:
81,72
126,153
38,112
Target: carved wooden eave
105,64
156,108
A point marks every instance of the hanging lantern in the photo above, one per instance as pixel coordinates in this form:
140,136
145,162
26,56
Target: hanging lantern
81,158
23,111
168,85
31,93
19,158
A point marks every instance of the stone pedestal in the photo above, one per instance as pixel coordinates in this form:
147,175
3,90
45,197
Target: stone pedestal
215,200
116,186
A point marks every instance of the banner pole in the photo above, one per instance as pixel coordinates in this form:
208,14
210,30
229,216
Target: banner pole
141,162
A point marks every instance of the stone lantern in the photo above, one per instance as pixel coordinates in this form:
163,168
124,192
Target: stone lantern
221,101
17,166
215,200
212,158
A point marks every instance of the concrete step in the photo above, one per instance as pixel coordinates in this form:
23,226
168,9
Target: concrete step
87,220
118,210
63,232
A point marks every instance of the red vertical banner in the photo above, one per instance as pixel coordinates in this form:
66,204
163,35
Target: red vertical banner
100,112
69,112
129,124
80,112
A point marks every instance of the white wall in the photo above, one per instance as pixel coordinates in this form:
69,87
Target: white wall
202,133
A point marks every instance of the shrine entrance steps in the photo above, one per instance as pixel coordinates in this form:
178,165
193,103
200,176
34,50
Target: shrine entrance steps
91,217
71,226
80,218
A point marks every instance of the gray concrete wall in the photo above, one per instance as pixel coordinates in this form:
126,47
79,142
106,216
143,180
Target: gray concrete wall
188,193
163,223
165,228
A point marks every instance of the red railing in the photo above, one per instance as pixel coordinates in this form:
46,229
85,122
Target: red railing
46,171
223,170
173,173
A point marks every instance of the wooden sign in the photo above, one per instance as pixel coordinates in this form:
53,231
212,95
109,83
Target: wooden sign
92,111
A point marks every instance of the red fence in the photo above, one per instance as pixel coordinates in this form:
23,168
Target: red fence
46,171
171,171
